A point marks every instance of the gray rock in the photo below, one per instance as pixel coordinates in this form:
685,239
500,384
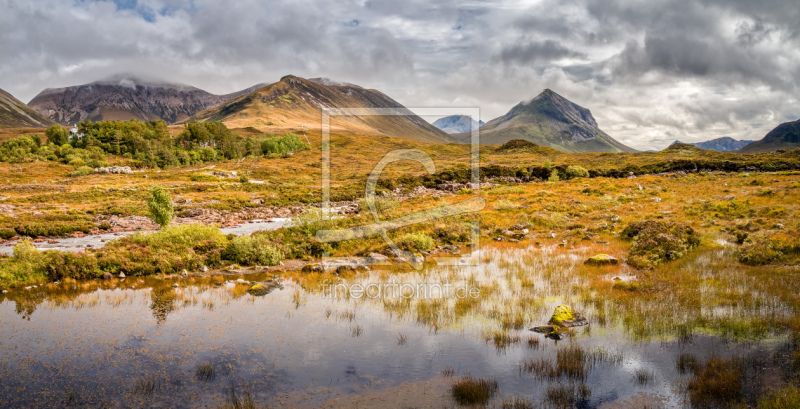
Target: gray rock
5,291
175,285
729,197
121,275
204,269
377,258
107,276
184,272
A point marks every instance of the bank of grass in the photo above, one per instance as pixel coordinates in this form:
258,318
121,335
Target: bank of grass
167,251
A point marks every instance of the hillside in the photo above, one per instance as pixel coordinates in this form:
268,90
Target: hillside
126,97
549,120
457,124
294,102
15,114
784,136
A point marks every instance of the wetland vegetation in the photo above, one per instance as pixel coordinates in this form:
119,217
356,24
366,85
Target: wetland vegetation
706,244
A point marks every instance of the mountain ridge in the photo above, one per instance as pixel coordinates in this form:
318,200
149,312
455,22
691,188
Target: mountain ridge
295,102
549,120
16,114
124,97
783,136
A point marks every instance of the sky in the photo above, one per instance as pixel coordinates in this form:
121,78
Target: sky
651,71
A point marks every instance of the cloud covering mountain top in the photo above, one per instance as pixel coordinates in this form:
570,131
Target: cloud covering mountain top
650,71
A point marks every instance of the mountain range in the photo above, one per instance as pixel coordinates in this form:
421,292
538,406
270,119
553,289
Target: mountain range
457,124
724,144
295,102
15,114
549,120
125,97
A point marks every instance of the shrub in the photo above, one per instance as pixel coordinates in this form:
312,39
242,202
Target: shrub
553,176
61,265
160,206
188,235
657,241
53,228
575,171
415,242
6,234
252,250
57,135
282,145
25,265
81,171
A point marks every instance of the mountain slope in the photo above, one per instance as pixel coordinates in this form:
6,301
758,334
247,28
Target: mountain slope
15,114
126,97
457,124
295,102
784,136
549,120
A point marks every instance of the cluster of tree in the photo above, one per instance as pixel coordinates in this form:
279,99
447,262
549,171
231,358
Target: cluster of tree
31,148
148,143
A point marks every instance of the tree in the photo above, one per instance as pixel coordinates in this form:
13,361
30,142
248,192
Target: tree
57,135
160,206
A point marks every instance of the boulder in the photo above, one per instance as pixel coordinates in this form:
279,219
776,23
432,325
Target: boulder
564,316
107,276
121,275
258,289
313,268
601,260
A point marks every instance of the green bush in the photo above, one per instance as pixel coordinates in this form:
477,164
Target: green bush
281,145
415,242
160,207
57,135
25,265
252,250
188,235
553,176
61,265
46,229
575,171
81,171
6,234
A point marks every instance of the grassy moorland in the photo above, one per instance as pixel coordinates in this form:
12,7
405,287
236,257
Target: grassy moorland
709,241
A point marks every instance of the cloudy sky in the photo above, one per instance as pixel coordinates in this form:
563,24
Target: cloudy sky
651,71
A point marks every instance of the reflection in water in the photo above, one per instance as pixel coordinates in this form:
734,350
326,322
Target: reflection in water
163,303
110,343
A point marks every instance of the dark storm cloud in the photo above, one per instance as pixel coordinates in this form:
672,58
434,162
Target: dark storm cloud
649,70
537,51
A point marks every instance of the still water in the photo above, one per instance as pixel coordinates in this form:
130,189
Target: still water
140,342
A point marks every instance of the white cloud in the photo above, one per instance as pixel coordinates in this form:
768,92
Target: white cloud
650,72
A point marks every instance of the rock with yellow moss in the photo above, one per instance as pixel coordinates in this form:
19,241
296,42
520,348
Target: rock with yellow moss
601,260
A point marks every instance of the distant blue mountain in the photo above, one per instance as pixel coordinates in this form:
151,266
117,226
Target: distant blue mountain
724,144
457,124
